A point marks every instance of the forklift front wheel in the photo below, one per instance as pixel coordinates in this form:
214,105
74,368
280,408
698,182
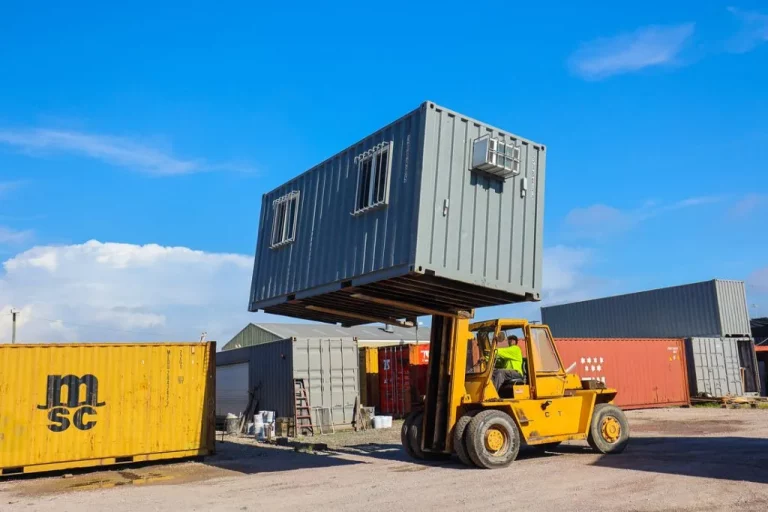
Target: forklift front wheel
493,439
609,431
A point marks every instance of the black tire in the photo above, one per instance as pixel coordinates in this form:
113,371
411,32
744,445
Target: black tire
405,436
460,438
414,435
609,431
503,429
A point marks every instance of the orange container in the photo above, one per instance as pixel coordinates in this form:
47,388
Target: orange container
402,378
646,372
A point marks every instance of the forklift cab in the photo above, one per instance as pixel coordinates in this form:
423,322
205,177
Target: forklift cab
541,364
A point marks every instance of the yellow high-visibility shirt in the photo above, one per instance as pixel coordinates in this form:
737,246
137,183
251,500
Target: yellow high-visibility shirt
510,358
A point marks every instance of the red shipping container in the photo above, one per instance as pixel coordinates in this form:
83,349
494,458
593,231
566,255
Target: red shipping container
402,377
646,373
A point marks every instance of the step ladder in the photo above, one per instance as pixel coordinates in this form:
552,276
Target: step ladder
302,418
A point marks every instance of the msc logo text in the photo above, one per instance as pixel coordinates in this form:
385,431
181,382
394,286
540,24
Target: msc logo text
83,411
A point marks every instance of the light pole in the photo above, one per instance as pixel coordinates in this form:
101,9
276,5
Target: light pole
14,312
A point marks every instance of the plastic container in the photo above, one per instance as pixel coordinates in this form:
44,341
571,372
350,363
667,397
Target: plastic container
268,416
382,422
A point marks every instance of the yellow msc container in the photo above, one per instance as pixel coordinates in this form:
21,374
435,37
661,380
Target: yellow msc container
78,405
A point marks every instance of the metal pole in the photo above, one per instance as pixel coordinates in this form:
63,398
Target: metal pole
13,337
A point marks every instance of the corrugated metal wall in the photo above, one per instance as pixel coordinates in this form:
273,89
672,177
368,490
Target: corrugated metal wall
733,308
271,373
474,228
330,372
645,372
331,244
714,367
441,217
711,308
77,405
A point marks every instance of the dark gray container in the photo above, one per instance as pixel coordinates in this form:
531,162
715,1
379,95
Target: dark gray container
722,367
329,368
449,233
711,308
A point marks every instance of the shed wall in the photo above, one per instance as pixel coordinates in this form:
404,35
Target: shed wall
472,227
270,374
712,308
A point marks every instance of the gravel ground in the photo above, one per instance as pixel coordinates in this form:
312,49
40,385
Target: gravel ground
678,459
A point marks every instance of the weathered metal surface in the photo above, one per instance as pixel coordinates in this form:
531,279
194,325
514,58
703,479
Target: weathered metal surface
646,372
78,405
449,238
710,308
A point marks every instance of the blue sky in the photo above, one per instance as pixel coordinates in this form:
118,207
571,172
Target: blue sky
165,124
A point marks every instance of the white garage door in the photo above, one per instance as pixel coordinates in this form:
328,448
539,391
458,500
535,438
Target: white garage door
231,389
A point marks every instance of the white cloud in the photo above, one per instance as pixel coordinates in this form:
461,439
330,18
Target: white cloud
122,292
629,52
754,30
600,221
566,277
12,236
748,204
118,151
6,187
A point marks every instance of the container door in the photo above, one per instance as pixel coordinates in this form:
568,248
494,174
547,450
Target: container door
732,367
231,389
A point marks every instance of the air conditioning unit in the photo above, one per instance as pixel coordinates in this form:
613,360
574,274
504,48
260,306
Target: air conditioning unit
492,156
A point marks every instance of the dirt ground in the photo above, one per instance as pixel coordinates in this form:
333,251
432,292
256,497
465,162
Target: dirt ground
678,459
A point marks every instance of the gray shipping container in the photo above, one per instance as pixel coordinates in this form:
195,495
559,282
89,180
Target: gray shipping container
722,366
329,368
711,308
435,210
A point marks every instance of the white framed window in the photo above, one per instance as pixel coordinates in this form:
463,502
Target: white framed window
285,212
496,157
373,173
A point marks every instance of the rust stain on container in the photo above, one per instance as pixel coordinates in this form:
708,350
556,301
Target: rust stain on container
78,405
646,372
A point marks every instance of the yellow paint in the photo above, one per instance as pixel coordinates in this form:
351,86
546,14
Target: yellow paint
79,405
552,407
610,429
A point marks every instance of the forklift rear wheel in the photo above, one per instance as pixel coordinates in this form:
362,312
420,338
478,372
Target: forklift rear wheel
405,436
493,439
609,431
460,438
414,434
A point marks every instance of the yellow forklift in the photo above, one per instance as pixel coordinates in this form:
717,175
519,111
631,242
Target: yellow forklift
465,414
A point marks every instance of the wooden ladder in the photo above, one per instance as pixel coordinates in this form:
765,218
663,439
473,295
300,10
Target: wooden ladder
302,418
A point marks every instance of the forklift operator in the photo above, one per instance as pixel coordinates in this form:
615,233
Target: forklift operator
509,363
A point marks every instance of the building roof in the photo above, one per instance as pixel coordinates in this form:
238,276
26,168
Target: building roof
361,332
257,334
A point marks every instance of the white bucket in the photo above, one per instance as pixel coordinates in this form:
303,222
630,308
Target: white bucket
382,422
258,431
268,416
258,419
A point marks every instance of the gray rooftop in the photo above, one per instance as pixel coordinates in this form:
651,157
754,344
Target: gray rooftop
361,332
